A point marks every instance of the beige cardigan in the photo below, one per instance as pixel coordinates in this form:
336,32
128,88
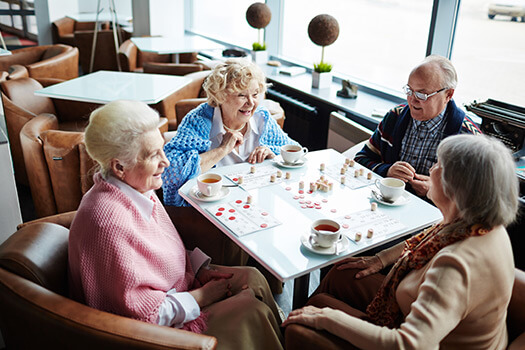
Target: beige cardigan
457,301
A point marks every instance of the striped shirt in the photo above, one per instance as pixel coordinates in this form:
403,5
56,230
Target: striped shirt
419,145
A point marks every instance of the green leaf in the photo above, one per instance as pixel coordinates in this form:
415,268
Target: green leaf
258,47
322,67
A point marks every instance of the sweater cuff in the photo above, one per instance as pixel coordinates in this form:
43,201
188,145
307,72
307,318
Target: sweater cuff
198,259
390,255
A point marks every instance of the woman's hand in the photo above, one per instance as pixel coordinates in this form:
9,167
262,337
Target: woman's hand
206,275
307,316
230,140
212,292
368,264
259,154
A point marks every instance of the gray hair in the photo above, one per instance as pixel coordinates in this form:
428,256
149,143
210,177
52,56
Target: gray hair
115,132
233,75
449,75
479,175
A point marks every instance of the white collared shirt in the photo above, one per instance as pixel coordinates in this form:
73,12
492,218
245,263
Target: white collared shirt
178,307
251,138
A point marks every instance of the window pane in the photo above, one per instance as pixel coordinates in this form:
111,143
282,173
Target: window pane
380,41
489,55
224,20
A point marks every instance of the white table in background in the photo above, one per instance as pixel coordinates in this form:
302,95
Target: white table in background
175,45
102,17
106,86
279,249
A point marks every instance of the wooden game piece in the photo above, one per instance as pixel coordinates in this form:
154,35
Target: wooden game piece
330,186
347,161
313,186
322,166
252,170
369,176
370,233
272,178
343,179
240,180
373,206
352,163
301,185
249,200
321,178
343,171
357,236
361,172
356,173
288,175
279,173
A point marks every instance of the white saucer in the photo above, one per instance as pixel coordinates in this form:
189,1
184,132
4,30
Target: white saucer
196,194
342,245
279,160
404,199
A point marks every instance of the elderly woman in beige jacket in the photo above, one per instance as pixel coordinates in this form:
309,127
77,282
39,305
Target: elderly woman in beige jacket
449,286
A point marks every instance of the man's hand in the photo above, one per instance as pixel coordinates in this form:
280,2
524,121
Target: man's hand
420,184
401,170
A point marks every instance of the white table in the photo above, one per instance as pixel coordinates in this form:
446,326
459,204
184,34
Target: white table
106,86
102,17
175,45
279,249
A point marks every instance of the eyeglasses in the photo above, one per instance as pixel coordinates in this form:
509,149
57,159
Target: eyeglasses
419,95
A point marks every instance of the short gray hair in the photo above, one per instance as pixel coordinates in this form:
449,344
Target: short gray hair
115,132
233,75
449,75
479,175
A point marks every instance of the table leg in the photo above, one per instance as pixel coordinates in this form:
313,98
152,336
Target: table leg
300,291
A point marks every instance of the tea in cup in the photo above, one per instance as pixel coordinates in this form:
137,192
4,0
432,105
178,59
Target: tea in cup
209,184
293,153
391,188
325,233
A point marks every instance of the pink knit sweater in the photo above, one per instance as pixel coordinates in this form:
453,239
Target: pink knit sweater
121,263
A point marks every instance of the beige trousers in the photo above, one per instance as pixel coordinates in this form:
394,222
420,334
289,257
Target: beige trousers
249,319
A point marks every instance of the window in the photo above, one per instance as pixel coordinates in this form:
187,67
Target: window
379,41
488,55
224,21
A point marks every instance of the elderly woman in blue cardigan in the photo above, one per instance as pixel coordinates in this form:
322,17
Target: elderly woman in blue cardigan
229,128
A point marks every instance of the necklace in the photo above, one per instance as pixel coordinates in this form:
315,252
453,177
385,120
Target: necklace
233,130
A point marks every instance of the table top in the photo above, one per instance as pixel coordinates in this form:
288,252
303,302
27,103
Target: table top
4,52
102,17
106,86
279,248
174,45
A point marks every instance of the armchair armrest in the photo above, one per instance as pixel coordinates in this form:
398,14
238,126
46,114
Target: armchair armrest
62,66
17,71
62,219
184,106
56,321
171,68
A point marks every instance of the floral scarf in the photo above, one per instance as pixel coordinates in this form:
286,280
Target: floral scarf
419,250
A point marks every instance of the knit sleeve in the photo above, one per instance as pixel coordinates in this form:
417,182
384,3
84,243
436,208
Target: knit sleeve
273,136
370,156
183,153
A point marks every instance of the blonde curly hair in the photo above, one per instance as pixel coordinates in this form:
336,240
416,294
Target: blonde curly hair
231,76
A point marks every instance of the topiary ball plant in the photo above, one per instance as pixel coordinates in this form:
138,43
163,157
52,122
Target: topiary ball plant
323,30
259,16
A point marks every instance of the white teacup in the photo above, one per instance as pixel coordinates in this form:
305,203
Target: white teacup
209,184
391,188
292,153
325,233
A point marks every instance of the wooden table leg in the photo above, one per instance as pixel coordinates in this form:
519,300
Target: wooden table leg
300,291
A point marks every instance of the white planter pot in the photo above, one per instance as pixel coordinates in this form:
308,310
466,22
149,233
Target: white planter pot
260,57
321,80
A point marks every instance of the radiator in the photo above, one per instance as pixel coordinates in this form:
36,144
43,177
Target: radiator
302,121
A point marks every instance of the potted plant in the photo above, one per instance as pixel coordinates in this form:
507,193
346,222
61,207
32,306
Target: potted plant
323,30
258,16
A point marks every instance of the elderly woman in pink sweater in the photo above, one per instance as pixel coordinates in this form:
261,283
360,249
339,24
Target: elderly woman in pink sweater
126,257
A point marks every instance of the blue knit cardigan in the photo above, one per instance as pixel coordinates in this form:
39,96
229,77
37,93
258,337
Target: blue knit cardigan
193,138
384,146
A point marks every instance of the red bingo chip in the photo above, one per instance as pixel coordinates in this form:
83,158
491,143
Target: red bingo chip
232,218
232,210
264,213
246,206
235,179
238,201
221,209
333,210
218,214
345,225
264,225
288,188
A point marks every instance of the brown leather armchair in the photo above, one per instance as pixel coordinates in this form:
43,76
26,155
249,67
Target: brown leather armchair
194,95
173,68
132,59
46,61
34,301
63,30
21,105
58,167
296,336
105,57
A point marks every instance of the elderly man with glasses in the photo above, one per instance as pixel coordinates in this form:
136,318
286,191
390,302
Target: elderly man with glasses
405,142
